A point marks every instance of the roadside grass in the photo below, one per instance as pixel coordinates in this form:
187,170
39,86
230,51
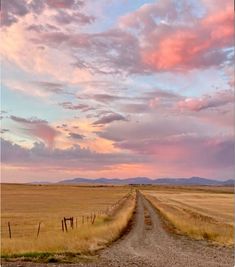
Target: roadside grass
46,257
82,240
184,218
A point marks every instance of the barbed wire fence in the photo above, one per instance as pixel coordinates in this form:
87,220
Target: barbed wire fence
13,228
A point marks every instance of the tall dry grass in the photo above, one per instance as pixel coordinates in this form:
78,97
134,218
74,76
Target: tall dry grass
185,220
85,238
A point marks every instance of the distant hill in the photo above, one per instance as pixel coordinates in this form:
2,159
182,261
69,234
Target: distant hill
135,180
146,180
229,182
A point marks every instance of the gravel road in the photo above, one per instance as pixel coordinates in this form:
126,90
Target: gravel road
148,244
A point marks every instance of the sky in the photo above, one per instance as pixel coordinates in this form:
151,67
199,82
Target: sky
116,88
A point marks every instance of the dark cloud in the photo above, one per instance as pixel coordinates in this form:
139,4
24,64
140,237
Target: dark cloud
71,106
40,28
49,84
64,4
135,108
12,10
63,126
76,136
75,157
38,6
64,18
108,136
57,88
11,152
109,118
27,121
106,98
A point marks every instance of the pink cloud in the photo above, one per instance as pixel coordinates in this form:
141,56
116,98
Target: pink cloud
186,150
181,41
37,128
157,37
218,99
192,48
192,104
221,24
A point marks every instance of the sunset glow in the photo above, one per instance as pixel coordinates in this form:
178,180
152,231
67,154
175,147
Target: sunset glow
117,89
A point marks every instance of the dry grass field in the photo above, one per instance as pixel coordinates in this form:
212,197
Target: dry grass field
24,206
200,212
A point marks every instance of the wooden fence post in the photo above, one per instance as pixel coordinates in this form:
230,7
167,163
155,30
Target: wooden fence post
9,228
65,225
39,226
93,219
62,224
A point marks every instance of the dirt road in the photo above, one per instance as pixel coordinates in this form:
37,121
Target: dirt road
149,244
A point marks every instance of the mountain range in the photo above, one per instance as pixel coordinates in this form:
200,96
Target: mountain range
146,180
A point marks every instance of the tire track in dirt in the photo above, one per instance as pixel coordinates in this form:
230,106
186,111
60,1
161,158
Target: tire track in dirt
148,244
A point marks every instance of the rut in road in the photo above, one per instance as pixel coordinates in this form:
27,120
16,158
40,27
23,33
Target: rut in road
148,244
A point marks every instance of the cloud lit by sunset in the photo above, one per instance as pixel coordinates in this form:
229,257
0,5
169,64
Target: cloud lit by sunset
117,89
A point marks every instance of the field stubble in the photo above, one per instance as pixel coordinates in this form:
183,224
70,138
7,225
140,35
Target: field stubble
200,214
24,206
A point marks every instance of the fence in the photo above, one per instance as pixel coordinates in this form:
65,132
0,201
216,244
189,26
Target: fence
13,228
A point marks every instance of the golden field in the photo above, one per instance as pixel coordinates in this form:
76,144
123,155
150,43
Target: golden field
24,206
199,212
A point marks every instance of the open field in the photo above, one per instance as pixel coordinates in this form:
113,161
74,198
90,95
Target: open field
24,206
200,212
204,213
147,243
